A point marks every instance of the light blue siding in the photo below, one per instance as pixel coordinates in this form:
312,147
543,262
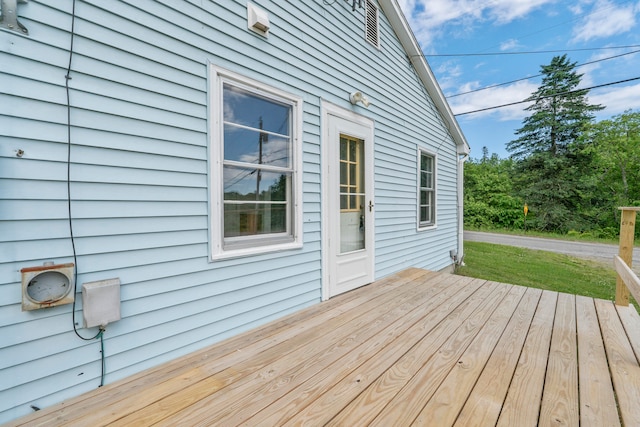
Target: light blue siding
139,175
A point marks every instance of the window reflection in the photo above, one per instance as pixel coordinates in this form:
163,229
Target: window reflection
257,170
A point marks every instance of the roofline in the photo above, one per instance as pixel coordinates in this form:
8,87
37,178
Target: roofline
407,38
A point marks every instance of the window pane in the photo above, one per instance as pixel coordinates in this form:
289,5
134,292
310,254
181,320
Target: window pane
246,219
427,189
351,167
352,226
361,166
253,146
247,109
352,151
426,163
343,148
352,174
343,173
242,184
428,180
257,166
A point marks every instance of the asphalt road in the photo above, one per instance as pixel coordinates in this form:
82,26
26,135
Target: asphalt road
595,251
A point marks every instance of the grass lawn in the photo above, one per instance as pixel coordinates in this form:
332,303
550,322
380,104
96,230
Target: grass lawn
539,269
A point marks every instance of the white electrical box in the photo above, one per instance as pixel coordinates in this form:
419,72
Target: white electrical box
100,302
47,285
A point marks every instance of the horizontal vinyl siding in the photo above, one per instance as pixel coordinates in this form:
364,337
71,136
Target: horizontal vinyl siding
139,190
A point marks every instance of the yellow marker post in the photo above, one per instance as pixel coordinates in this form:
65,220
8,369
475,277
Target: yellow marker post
526,211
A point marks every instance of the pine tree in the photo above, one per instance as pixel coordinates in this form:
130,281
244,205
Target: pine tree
553,172
559,112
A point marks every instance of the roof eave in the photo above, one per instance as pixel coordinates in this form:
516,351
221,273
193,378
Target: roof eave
405,34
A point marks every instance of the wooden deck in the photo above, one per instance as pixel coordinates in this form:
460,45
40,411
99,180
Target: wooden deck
418,348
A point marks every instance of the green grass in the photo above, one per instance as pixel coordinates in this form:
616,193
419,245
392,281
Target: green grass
539,269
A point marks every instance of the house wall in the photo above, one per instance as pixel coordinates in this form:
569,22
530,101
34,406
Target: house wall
139,133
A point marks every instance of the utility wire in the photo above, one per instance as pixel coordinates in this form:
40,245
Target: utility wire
544,97
538,75
561,24
67,77
528,52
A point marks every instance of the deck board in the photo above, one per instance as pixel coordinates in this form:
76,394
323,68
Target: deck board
346,383
334,339
374,398
485,401
522,404
625,372
597,398
417,348
406,405
453,392
560,396
630,321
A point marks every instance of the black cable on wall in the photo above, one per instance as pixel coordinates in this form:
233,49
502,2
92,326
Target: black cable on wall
70,217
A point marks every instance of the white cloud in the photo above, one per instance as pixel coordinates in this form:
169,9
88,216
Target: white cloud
605,20
428,17
407,6
492,97
509,44
611,66
616,99
509,10
448,73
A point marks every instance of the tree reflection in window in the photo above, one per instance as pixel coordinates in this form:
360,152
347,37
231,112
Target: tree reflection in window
257,165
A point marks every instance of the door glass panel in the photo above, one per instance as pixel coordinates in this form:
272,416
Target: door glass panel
343,174
352,194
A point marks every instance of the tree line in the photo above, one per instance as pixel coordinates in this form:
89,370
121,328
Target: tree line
570,171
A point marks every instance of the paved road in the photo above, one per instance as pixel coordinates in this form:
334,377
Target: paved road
595,251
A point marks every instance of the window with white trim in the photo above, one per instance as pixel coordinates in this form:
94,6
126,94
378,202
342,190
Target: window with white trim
427,190
255,147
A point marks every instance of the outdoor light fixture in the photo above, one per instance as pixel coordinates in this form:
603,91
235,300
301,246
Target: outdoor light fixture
358,96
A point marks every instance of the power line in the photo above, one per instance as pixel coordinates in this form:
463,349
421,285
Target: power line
529,52
547,96
577,18
538,75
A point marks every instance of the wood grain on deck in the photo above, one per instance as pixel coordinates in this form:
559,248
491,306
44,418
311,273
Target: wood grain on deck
417,348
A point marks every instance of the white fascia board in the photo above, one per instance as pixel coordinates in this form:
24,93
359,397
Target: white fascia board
405,35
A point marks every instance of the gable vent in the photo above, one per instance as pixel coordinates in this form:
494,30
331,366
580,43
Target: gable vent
372,33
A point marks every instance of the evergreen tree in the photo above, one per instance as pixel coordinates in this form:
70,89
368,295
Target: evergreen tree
560,112
553,171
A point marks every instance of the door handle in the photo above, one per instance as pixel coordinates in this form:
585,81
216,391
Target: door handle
370,206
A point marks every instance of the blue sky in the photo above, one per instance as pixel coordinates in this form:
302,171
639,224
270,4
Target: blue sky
579,28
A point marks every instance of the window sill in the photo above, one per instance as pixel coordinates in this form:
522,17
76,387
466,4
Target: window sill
252,251
427,227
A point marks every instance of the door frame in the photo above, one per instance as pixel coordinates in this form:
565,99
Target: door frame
328,109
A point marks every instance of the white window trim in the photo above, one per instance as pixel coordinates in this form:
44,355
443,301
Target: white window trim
433,226
264,243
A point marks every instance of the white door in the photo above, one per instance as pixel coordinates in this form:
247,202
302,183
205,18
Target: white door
348,201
